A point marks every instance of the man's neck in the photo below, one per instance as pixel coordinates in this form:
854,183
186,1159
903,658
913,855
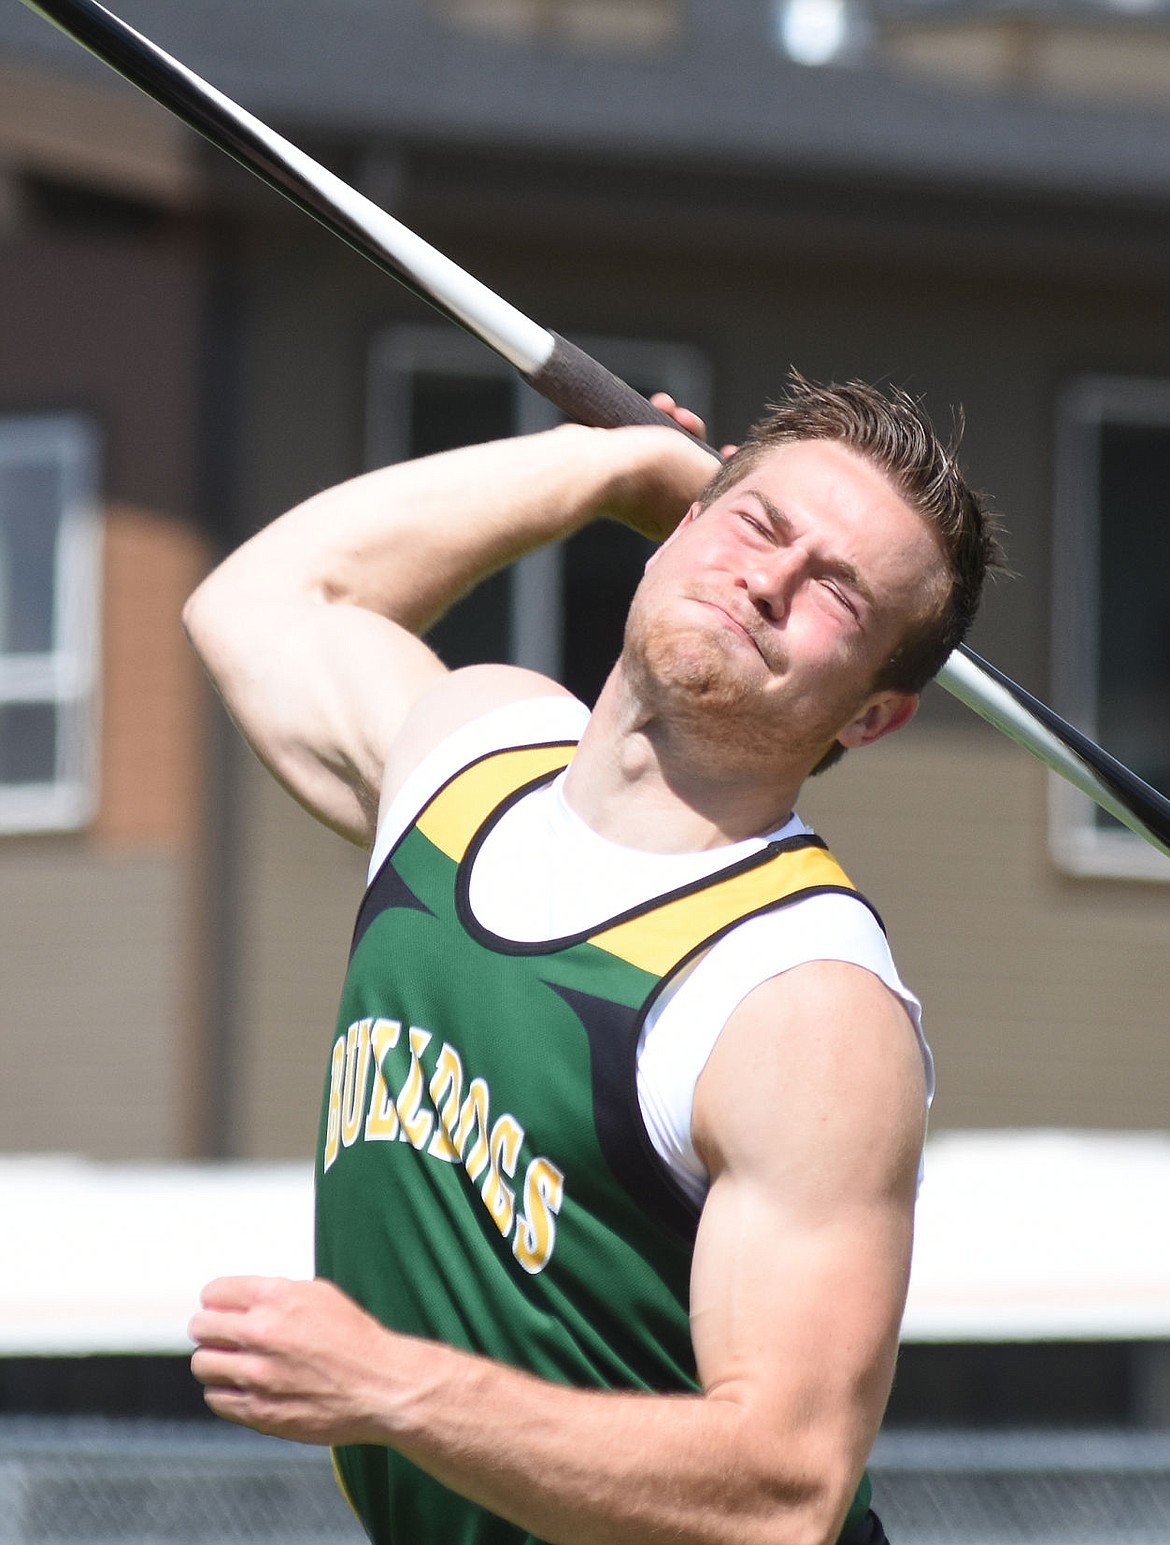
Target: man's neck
639,783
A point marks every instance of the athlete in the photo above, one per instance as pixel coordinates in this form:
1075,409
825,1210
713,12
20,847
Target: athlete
626,1099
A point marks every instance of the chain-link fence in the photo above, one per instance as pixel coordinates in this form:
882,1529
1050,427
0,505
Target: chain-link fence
1024,1488
98,1482
65,1482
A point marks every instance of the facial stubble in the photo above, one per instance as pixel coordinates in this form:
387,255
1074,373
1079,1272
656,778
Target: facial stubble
707,684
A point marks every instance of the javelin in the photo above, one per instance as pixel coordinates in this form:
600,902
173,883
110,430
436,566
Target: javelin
563,374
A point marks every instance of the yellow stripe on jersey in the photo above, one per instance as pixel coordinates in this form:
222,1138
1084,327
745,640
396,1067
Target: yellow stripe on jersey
342,1487
457,812
657,941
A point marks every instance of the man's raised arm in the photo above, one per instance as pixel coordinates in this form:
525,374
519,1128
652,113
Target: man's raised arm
310,630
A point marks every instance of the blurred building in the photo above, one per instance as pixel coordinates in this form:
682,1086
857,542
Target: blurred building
969,200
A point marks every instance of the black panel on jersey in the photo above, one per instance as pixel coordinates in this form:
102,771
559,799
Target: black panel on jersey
612,1030
388,890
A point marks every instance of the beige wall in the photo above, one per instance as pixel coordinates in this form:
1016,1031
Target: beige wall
301,886
89,961
1047,998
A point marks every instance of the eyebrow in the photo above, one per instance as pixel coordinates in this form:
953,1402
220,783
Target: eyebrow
834,568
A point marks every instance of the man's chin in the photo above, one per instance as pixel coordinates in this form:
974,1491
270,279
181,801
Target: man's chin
701,667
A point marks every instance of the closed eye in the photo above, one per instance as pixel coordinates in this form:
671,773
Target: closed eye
761,528
841,596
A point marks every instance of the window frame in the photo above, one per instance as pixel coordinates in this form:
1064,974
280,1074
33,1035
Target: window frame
1077,843
68,674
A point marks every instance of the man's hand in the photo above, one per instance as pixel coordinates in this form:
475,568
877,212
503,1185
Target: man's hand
298,1360
688,420
655,484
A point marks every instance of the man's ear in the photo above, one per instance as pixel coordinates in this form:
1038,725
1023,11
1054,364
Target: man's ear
883,714
691,515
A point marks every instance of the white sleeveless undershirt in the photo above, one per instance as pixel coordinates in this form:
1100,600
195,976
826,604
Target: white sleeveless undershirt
543,873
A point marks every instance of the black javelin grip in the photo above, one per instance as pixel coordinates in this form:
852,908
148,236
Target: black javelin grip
585,391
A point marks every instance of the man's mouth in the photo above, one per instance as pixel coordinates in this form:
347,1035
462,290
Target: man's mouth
746,626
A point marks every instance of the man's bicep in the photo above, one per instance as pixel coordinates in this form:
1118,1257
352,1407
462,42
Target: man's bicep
318,690
810,1118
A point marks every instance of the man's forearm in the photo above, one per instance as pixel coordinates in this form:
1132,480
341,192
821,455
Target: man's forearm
576,1467
406,541
757,1462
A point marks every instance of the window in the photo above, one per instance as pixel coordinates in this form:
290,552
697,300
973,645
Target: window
1111,606
560,610
48,622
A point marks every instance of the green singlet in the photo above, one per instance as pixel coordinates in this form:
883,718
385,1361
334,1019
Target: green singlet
484,1177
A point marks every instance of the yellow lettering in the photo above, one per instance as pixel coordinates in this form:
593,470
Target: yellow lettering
382,1122
536,1228
474,1114
453,1128
447,1081
416,1122
500,1199
333,1119
357,1067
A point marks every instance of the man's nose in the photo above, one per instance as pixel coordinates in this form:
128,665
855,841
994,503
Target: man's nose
772,582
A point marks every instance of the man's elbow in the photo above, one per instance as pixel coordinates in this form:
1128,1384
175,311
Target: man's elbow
816,1519
223,603
218,621
190,612
197,618
805,1504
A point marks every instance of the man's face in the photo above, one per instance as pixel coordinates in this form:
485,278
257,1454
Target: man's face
774,608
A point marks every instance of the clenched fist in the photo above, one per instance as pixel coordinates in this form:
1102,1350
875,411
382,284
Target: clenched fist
295,1359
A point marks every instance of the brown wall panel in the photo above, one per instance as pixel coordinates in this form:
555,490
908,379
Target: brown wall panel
153,695
110,326
100,1022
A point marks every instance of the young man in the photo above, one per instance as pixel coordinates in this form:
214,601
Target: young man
626,1099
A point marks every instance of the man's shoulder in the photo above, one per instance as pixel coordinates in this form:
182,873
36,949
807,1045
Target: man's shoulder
826,1036
459,699
472,713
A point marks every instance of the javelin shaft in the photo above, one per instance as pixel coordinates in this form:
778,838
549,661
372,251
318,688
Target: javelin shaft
1040,730
562,373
